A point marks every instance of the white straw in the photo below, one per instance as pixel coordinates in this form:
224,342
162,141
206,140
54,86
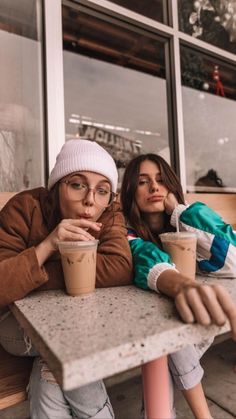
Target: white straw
177,220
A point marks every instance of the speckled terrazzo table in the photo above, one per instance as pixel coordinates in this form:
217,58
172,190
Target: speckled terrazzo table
114,329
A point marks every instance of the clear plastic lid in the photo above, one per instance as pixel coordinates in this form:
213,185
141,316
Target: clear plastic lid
69,245
174,235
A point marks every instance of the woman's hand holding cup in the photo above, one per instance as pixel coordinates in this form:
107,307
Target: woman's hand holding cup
73,230
66,230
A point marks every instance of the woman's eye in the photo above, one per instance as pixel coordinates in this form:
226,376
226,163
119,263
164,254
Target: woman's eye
102,191
144,182
77,185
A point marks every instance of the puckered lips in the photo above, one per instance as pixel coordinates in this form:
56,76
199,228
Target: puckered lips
86,216
156,198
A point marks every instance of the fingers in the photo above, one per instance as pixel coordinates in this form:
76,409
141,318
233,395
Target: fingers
71,232
227,305
190,301
212,304
75,230
206,304
83,223
198,306
183,308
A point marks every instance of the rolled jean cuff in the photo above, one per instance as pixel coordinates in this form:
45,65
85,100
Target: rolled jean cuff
189,380
185,368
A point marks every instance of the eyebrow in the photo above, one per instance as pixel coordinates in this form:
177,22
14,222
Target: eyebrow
85,178
146,174
104,181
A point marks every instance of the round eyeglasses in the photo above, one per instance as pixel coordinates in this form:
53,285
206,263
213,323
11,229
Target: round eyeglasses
77,190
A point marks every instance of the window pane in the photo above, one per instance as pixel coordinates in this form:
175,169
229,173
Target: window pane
209,105
21,122
115,87
211,21
154,9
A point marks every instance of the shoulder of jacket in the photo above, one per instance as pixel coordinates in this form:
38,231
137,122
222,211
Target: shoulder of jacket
113,211
25,199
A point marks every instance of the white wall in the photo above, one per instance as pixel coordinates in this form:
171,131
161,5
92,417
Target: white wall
21,121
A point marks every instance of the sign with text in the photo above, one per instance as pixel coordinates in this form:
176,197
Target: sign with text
108,139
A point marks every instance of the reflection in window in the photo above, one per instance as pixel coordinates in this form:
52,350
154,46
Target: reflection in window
21,125
213,21
115,87
209,109
154,9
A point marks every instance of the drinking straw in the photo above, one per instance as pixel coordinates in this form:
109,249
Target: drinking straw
177,220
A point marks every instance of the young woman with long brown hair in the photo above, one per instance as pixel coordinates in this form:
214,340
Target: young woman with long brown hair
152,199
77,205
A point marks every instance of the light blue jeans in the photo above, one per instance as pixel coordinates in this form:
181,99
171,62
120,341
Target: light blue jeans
47,400
185,367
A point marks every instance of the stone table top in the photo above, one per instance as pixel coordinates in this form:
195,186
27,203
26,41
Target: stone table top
87,338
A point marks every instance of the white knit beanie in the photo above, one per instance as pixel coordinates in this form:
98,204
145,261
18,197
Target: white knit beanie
78,155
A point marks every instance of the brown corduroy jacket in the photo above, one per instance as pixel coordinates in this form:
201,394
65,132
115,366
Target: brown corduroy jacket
26,220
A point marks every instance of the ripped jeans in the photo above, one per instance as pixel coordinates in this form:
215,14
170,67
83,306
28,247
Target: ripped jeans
47,399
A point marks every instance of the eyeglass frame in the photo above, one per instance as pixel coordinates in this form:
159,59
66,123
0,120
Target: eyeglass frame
113,195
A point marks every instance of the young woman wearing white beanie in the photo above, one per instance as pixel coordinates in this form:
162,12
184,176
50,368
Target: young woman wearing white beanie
77,205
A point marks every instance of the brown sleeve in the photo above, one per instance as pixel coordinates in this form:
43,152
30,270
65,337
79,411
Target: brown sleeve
19,269
55,275
114,259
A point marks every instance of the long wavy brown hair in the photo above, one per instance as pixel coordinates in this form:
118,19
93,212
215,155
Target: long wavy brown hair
130,208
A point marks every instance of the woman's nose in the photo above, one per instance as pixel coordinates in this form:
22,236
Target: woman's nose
154,186
89,198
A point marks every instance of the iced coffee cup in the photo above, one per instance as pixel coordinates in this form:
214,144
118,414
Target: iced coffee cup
79,266
181,246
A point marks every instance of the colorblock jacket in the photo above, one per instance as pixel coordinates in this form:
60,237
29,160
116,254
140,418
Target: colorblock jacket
216,246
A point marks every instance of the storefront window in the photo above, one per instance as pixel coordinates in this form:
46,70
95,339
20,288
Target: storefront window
209,108
21,120
154,9
213,21
115,86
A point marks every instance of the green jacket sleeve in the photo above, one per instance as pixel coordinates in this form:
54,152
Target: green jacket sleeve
149,261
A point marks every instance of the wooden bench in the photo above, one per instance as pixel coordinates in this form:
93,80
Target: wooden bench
14,377
223,204
14,370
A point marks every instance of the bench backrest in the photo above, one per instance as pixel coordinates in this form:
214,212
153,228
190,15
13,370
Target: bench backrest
223,204
4,197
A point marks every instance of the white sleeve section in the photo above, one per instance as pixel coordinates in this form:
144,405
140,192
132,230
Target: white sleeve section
155,272
177,213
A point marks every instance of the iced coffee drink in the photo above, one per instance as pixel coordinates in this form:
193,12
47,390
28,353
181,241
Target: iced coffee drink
182,249
79,266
